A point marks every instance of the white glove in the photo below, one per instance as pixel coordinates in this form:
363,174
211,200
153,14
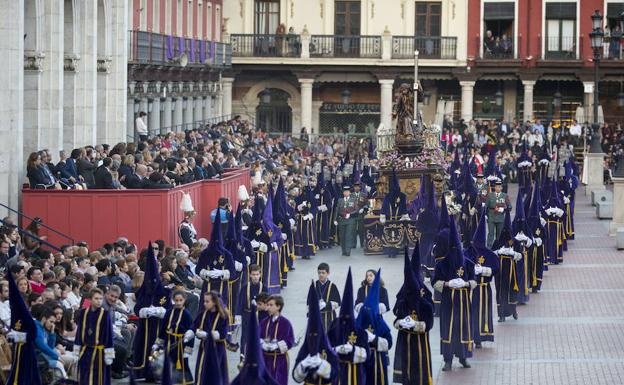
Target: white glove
315,360
324,369
382,308
284,236
159,312
238,266
322,208
204,274
155,347
263,247
344,349
248,258
360,211
282,346
566,200
17,337
517,256
334,305
317,196
109,356
347,216
500,210
188,335
538,241
265,345
543,221
310,216
301,206
370,335
420,327
215,273
335,223
473,211
382,219
292,221
407,323
144,313
486,271
255,244
357,307
478,269
382,344
322,304
274,246
404,217
215,335
253,302
202,335
238,320
457,283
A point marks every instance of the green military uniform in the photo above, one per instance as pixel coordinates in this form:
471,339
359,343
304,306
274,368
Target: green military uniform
345,208
496,204
361,200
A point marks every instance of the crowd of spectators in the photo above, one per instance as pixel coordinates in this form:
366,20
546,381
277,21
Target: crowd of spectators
497,46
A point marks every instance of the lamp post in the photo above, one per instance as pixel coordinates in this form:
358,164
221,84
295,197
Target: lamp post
596,37
416,121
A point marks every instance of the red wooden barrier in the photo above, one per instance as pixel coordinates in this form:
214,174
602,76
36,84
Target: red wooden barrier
101,216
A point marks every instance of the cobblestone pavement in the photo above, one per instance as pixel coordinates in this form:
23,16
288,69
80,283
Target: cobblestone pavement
570,333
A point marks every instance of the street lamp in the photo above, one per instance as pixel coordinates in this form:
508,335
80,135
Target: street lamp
499,97
557,99
265,96
426,97
596,37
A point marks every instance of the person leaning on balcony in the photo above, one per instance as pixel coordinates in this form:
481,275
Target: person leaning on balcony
615,43
489,43
141,127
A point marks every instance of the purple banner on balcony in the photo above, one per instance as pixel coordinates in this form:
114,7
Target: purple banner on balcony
192,51
169,47
181,46
202,51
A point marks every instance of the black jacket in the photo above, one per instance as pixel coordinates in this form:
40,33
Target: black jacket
85,169
103,178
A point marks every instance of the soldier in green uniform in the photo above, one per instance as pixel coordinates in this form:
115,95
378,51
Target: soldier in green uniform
497,202
361,201
345,220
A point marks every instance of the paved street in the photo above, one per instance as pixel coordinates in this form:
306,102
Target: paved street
570,333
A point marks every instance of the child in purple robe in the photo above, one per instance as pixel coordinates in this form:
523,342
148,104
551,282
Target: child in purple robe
94,342
277,337
214,320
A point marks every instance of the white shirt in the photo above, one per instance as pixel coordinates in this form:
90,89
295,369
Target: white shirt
5,312
141,127
575,130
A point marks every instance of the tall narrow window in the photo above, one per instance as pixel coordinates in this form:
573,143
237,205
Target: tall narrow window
428,16
347,18
561,30
179,30
218,23
209,22
267,15
200,21
168,13
190,10
156,16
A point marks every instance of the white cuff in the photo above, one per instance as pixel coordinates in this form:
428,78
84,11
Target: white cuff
382,344
473,284
439,286
359,355
382,218
226,274
238,266
283,347
486,272
334,305
188,335
324,369
382,308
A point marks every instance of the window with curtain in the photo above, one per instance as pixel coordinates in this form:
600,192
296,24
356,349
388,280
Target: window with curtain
267,17
347,15
561,30
428,16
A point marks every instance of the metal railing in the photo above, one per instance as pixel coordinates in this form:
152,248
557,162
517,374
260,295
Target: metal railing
265,45
155,48
343,46
429,47
560,48
497,49
22,215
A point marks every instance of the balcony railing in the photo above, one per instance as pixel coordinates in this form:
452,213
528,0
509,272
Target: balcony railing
560,48
429,47
497,49
159,49
265,45
337,46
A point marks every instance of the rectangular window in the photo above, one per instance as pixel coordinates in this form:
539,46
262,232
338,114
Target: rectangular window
428,19
209,22
498,33
347,16
560,30
267,17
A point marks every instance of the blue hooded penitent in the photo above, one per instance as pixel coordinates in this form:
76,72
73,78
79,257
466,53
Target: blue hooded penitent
254,370
24,369
519,222
371,150
216,256
441,245
454,259
369,312
270,228
152,290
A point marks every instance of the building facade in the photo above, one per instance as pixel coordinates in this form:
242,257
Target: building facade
175,63
334,65
64,79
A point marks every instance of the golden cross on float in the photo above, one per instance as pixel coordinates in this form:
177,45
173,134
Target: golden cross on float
481,260
352,338
460,272
163,300
370,328
18,325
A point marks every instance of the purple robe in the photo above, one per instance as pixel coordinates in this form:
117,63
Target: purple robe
208,322
277,362
94,335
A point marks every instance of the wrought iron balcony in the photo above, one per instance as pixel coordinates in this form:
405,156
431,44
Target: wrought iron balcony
429,47
560,48
342,46
265,45
158,49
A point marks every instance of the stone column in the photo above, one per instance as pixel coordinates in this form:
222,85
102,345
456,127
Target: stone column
12,106
386,45
198,116
618,204
316,116
188,112
306,106
595,172
588,102
467,99
86,88
51,128
154,116
177,114
218,112
70,87
227,96
386,102
33,101
130,117
528,99
166,114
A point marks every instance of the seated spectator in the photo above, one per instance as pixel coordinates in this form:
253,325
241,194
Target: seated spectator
103,176
37,177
